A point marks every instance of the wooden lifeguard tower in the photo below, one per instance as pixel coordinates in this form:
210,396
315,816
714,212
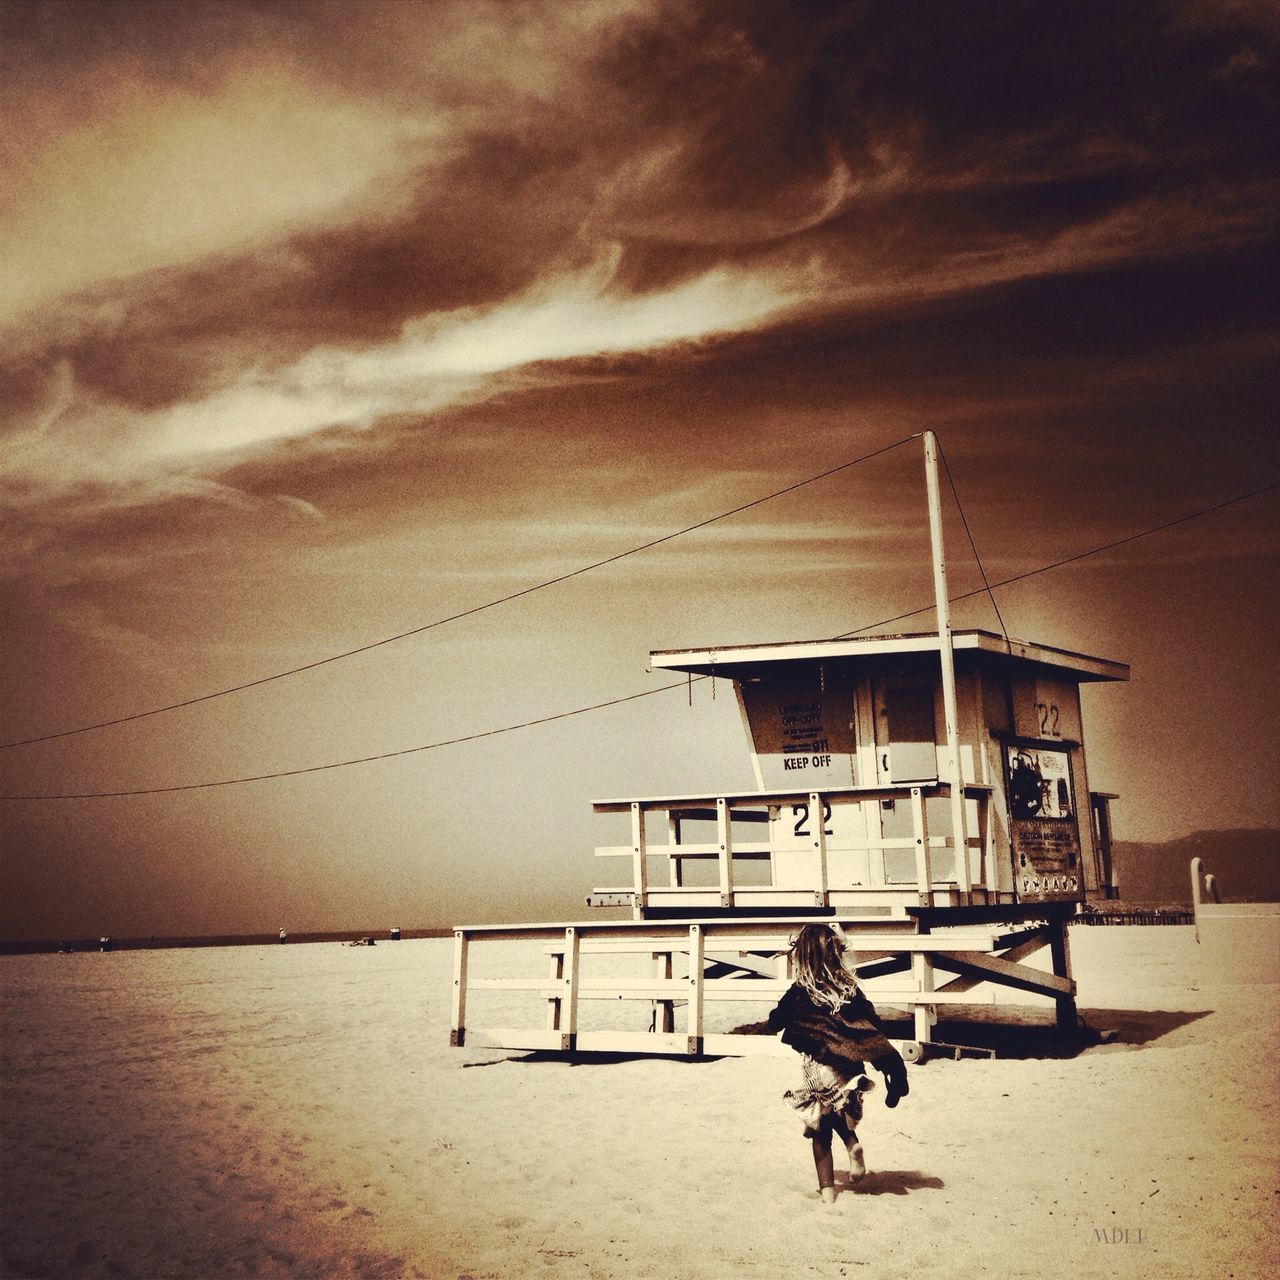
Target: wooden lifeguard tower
927,793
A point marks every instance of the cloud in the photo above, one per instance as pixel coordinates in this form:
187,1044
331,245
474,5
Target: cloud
440,360
153,178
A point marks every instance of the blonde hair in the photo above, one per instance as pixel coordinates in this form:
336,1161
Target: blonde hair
819,966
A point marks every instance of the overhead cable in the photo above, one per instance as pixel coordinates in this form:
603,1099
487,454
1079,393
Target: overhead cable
344,764
564,715
973,546
465,613
1057,564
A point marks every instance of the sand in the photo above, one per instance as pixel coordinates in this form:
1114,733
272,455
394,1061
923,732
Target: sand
296,1111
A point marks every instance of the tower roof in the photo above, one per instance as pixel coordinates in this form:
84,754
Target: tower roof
744,661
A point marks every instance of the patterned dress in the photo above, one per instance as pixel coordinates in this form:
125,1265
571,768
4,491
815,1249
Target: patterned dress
833,1045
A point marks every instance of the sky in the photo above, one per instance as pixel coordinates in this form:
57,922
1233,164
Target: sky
321,323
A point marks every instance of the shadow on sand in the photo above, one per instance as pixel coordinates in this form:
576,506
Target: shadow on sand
1030,1033
888,1182
1019,1033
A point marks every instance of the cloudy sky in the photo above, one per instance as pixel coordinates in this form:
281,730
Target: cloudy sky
324,321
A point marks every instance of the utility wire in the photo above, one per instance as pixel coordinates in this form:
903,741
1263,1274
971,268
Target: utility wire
465,613
1080,555
973,546
343,764
564,715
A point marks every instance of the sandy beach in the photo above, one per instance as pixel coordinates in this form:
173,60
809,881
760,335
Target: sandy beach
297,1111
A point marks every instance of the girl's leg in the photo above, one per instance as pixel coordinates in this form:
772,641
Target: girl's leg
822,1160
849,1136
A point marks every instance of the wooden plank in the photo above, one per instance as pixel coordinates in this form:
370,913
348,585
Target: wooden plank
458,1015
710,849
929,998
640,1042
514,1038
758,799
864,943
746,1046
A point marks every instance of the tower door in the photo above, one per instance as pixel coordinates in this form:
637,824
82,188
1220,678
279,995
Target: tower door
906,749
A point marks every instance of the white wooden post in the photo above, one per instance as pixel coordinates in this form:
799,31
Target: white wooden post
920,831
569,984
664,1011
725,839
639,863
1196,867
820,844
696,985
556,974
922,1014
948,662
675,870
1060,957
458,1032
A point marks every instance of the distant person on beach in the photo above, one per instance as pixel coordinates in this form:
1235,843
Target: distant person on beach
835,1029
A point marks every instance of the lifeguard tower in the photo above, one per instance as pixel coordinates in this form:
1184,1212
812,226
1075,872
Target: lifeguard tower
928,793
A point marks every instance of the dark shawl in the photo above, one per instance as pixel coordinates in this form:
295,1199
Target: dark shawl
843,1039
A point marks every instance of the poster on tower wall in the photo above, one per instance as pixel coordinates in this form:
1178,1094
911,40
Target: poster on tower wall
1043,826
802,733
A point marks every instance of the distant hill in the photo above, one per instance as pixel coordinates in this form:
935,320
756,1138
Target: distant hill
1245,862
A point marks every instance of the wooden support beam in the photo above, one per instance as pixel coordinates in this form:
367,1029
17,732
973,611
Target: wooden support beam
1060,950
1019,976
458,1017
696,989
923,1015
569,981
674,865
1028,946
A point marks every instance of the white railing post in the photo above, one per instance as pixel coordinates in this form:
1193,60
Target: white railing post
920,830
725,838
458,1031
639,862
819,844
675,870
1196,867
569,985
697,978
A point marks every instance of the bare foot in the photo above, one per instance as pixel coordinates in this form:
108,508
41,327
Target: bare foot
857,1162
828,1194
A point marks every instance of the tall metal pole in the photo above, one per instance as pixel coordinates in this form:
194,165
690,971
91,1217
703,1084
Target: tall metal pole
948,660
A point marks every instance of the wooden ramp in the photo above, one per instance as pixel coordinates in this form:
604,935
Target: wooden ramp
671,972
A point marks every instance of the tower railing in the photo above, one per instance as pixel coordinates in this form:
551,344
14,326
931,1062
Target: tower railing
832,857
